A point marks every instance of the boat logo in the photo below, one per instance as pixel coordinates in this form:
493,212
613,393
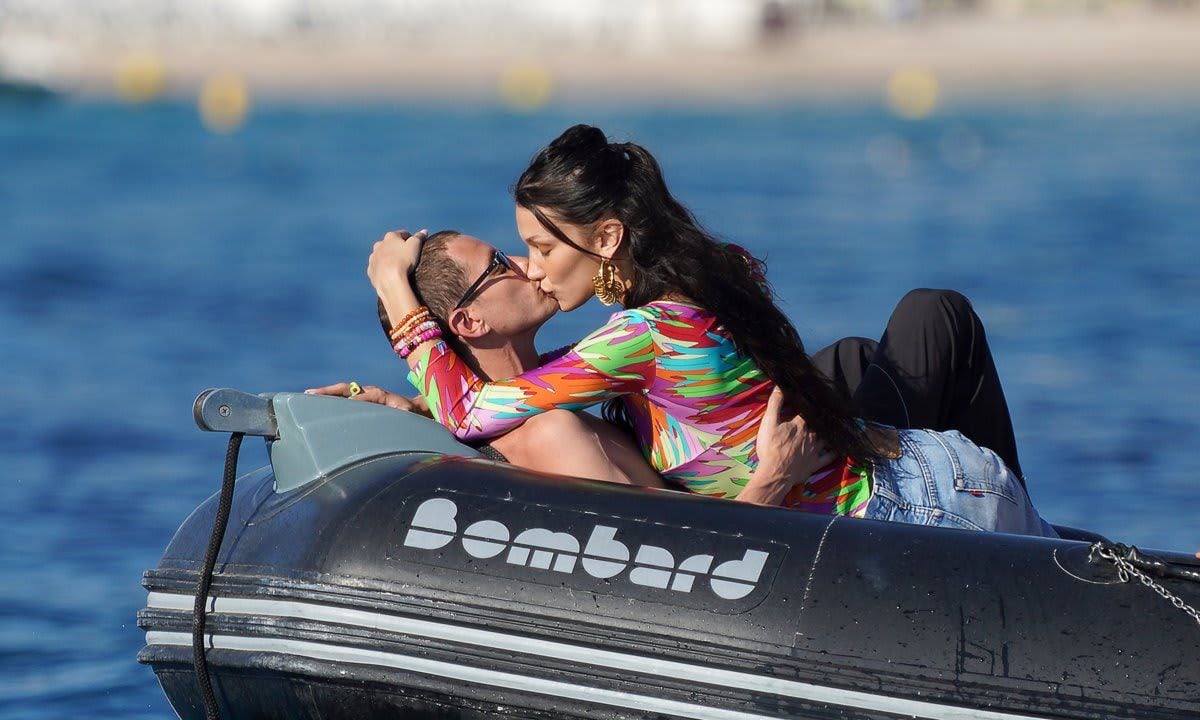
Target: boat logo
435,525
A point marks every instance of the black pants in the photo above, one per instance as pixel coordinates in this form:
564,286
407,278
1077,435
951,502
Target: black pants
931,369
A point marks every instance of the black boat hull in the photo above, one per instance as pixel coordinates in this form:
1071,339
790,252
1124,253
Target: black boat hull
424,585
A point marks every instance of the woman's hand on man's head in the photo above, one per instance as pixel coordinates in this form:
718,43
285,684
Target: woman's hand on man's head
394,256
374,394
392,261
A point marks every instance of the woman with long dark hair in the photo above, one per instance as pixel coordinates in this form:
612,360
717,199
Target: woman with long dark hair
691,363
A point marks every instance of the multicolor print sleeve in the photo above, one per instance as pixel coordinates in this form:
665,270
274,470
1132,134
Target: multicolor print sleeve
615,360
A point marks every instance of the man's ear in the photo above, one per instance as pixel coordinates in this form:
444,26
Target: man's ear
609,235
464,323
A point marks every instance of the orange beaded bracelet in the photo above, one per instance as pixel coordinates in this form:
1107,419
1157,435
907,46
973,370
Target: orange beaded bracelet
415,317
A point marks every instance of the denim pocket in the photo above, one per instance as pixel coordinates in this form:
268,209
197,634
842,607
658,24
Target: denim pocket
886,506
882,506
977,470
905,490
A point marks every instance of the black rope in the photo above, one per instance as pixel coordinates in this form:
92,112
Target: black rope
224,504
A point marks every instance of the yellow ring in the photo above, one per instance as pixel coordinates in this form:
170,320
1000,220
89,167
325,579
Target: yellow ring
355,388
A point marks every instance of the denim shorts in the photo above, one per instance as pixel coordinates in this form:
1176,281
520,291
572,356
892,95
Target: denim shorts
945,480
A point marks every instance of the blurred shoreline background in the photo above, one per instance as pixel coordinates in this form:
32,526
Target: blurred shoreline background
526,53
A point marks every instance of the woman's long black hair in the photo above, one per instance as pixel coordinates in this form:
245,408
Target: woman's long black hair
581,178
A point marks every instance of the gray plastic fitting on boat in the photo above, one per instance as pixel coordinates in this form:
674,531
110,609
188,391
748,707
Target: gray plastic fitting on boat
310,436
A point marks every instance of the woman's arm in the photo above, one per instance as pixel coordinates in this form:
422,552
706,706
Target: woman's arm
787,455
615,360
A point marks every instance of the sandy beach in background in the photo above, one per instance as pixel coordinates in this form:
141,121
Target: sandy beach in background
1138,52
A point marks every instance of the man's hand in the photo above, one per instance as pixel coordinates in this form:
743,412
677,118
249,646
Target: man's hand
787,455
377,395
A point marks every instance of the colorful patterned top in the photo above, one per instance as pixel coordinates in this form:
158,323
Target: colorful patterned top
695,401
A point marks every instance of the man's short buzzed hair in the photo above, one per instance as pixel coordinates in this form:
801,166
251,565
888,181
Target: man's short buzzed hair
439,281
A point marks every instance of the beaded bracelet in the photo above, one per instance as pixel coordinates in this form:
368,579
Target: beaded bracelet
427,335
411,322
423,310
404,350
417,329
407,328
412,314
416,337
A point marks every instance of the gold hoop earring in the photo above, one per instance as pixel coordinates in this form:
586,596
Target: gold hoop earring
608,287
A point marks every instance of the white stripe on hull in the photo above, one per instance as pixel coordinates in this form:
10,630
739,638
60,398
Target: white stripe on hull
464,673
542,648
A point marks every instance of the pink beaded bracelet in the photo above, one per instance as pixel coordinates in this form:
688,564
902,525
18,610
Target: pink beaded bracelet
415,333
405,348
406,351
418,329
413,337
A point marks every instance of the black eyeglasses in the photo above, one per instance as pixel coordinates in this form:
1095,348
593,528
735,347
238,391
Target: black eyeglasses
499,259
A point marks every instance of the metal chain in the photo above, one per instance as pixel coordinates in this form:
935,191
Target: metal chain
1125,569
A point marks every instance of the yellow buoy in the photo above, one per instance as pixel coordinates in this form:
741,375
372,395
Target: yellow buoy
526,86
140,77
912,93
224,102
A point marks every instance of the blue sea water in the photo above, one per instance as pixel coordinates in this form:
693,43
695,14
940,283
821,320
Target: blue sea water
143,259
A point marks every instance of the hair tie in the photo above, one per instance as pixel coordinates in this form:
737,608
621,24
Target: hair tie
623,160
758,270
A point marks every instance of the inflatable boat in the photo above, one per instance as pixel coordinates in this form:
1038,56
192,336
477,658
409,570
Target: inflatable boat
378,568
